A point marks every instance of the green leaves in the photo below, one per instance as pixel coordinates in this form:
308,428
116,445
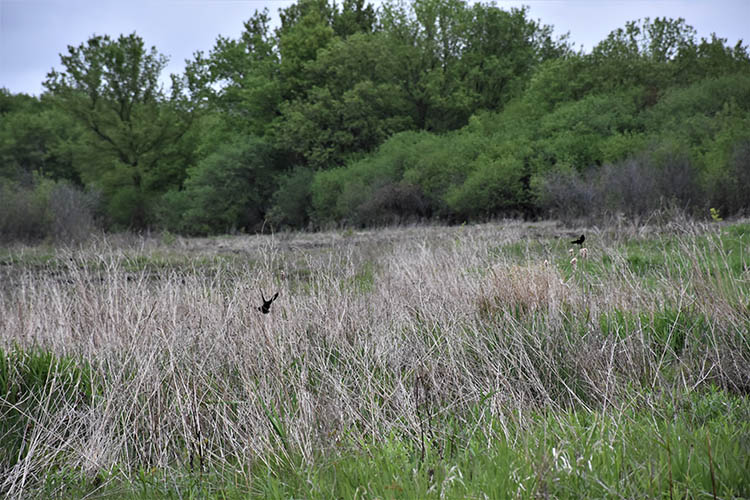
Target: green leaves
331,89
133,130
227,190
36,139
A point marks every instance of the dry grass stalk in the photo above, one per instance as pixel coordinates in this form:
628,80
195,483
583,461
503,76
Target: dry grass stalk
194,375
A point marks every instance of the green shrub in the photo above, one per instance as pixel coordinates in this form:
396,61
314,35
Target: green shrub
575,132
373,190
705,98
290,203
327,186
495,187
229,189
442,162
127,207
170,209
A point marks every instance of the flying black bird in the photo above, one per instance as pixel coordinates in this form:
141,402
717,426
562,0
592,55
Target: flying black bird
266,307
579,241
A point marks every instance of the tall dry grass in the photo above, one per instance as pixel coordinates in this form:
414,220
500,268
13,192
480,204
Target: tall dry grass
391,332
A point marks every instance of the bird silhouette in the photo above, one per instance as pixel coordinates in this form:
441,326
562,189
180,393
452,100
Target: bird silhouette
266,307
579,241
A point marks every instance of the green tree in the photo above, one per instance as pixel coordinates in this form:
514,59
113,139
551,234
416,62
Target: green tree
355,16
229,189
426,39
573,134
306,27
710,57
458,59
502,49
36,139
240,77
643,54
324,130
134,129
433,64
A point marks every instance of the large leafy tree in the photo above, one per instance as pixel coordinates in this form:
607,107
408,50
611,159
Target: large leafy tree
430,65
240,77
355,16
459,59
647,56
502,50
134,148
356,103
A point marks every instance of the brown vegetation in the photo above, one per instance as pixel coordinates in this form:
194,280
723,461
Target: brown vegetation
191,372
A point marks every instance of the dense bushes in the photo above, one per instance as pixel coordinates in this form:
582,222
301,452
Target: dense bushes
419,175
46,210
732,190
601,154
576,144
35,138
633,187
291,201
227,190
374,190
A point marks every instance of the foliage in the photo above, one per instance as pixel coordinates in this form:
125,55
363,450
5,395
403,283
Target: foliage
512,117
375,189
133,130
291,200
36,138
227,190
600,154
238,78
495,187
35,384
730,190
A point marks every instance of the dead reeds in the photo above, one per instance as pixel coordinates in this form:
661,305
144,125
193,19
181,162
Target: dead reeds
381,332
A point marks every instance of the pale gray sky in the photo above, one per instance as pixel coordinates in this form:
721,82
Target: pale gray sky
34,32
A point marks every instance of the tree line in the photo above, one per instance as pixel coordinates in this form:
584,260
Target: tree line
344,114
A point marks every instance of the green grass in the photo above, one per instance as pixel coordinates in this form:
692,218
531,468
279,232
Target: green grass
34,384
668,327
697,444
363,280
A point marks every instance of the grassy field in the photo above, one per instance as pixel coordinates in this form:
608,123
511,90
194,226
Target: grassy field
488,361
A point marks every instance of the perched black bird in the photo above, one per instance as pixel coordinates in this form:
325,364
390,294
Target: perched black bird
266,307
579,241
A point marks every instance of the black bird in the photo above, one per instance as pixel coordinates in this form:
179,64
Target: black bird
579,241
266,307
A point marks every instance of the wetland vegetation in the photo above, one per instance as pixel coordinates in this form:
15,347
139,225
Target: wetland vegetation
475,361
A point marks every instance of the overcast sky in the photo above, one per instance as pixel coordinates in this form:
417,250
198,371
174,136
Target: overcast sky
34,32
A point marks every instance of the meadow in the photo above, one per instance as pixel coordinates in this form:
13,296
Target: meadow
477,361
